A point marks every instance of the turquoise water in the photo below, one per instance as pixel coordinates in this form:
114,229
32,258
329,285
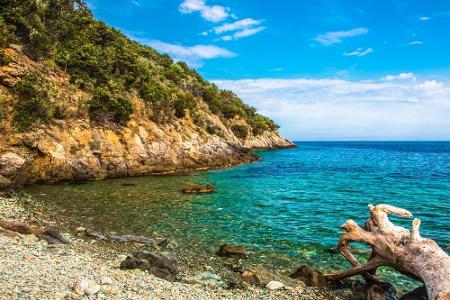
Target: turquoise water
285,208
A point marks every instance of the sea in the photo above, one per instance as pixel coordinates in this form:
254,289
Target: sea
286,209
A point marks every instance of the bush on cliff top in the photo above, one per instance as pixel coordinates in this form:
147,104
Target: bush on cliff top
98,56
34,106
105,106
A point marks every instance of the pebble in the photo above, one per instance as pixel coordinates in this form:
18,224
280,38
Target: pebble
81,270
274,285
107,281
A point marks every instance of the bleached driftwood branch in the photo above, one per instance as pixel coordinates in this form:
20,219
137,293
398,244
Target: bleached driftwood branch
405,250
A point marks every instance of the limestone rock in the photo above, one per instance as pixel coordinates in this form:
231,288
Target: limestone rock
10,164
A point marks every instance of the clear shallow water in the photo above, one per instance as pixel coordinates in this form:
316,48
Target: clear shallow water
286,208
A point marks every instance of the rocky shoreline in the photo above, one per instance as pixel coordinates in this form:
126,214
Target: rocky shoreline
93,268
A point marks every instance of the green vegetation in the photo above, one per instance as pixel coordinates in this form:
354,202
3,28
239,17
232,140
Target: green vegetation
107,107
241,131
4,59
105,63
34,106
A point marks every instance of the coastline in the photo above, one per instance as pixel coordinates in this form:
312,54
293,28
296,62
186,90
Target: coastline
32,268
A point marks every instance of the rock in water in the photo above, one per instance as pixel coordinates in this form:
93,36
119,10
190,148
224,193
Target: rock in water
310,276
274,285
158,242
236,251
199,189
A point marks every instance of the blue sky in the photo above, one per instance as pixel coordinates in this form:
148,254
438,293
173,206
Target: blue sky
324,70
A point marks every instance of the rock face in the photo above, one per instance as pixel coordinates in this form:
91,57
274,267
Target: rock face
78,151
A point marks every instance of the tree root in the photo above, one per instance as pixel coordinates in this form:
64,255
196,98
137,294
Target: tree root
395,246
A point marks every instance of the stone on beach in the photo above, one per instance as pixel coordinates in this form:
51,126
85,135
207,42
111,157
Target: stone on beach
274,285
258,276
310,276
235,251
95,235
86,287
158,264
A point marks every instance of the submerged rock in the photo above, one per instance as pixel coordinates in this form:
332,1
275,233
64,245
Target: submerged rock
159,242
199,189
310,276
235,251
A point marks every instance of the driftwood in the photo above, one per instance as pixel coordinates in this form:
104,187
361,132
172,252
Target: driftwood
395,246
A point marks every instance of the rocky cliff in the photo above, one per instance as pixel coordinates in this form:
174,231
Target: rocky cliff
76,148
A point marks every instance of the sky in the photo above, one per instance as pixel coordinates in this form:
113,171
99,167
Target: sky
323,70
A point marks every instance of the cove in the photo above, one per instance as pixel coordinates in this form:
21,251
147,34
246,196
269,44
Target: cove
286,208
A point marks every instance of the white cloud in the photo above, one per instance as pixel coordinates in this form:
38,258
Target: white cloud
401,76
238,25
343,109
241,28
416,43
336,37
213,13
424,18
243,33
430,87
359,52
193,55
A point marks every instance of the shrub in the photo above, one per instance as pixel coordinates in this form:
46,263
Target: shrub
107,107
5,35
214,129
183,103
34,105
4,59
240,131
